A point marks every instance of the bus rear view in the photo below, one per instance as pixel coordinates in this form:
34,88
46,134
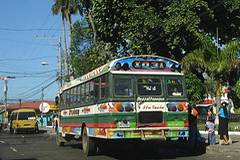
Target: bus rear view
137,98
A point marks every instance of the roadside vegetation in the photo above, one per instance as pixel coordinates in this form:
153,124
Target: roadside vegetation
232,126
202,34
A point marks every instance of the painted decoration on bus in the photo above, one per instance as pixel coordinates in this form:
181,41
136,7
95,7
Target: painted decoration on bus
127,107
147,63
95,72
152,106
177,106
118,134
116,107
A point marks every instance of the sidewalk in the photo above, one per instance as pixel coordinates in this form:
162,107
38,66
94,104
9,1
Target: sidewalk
216,132
49,129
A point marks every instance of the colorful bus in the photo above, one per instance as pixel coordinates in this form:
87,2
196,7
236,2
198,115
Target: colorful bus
138,98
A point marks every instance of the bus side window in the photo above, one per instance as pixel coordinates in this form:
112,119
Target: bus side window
82,94
87,93
103,87
79,93
96,89
91,92
64,103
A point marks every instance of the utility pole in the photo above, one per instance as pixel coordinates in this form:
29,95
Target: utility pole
60,63
42,97
6,78
20,103
5,93
65,52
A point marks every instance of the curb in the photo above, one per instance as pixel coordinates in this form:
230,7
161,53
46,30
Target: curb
216,132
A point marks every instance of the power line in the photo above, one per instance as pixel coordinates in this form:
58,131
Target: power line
30,95
39,90
31,76
27,73
29,29
35,87
26,59
25,42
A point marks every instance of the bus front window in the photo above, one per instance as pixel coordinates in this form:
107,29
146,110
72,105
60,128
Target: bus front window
123,87
149,86
174,87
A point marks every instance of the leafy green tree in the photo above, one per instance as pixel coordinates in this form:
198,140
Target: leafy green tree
216,62
195,88
95,56
237,88
85,9
225,17
163,27
81,40
81,37
209,86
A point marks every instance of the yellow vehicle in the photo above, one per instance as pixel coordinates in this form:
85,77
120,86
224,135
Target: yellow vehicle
23,120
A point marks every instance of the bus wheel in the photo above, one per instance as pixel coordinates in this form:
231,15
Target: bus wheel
88,144
59,141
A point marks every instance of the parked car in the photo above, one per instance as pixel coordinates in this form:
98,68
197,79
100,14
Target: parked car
23,120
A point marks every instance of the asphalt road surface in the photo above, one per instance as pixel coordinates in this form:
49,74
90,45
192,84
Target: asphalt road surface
42,147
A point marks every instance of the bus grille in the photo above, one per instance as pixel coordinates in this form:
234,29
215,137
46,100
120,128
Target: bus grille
150,117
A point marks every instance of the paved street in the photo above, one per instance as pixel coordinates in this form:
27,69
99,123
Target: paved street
42,147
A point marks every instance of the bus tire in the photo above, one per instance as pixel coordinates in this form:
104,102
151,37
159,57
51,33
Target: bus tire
88,144
59,142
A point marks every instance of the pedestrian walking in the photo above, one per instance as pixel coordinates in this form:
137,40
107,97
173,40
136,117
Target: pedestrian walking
223,124
55,120
210,127
41,121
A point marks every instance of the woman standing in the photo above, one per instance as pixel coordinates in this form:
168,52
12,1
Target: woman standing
223,124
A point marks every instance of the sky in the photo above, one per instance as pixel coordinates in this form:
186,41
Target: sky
29,34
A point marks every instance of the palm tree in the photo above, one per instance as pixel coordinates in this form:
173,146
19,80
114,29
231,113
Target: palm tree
66,8
217,62
85,9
